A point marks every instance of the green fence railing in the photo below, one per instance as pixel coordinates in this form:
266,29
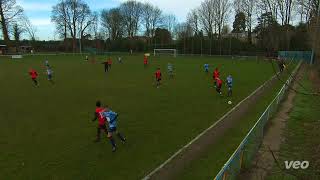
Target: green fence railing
306,56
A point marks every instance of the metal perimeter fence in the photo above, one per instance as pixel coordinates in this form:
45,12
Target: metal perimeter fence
246,151
306,56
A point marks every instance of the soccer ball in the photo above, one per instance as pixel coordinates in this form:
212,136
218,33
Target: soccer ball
229,102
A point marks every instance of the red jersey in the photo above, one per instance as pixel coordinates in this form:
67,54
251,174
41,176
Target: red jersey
145,60
216,74
109,61
33,74
158,74
101,119
219,82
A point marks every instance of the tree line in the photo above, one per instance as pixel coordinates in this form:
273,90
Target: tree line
14,23
268,25
132,25
256,26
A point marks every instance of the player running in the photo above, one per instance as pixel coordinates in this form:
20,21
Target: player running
281,64
101,120
229,85
109,63
216,74
46,63
219,85
170,70
112,118
34,75
106,66
49,74
145,61
119,60
158,77
206,68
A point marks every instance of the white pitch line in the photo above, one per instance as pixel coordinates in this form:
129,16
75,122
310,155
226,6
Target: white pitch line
203,132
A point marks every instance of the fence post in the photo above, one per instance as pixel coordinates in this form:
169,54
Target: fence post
225,175
241,159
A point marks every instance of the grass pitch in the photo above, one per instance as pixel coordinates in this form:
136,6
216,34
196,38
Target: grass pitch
301,135
47,133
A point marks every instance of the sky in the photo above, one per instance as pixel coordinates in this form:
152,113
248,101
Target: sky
39,11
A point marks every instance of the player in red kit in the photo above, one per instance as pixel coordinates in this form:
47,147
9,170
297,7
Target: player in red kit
216,74
33,73
101,120
106,65
219,85
145,61
158,77
109,63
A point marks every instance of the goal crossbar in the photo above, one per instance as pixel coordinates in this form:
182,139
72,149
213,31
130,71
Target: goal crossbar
159,50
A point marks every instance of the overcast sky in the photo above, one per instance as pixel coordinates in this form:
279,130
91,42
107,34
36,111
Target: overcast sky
39,12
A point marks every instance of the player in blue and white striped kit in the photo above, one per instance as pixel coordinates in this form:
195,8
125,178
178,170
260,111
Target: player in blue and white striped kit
111,118
229,84
170,70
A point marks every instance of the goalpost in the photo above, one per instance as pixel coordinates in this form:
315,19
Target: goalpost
165,51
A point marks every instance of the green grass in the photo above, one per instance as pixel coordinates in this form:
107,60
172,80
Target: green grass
211,162
301,137
46,132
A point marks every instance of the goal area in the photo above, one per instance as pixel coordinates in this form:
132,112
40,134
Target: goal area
172,52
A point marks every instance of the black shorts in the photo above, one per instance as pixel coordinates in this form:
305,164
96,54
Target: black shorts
103,126
159,79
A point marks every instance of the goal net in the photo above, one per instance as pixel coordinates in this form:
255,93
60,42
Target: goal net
172,52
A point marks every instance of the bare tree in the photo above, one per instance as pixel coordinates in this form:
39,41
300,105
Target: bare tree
16,32
94,28
226,29
74,16
222,11
112,23
29,28
152,18
248,7
170,23
86,19
285,9
266,6
9,11
208,19
183,31
131,12
206,15
305,8
193,20
237,6
59,18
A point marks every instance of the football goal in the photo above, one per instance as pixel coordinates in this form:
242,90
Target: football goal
172,52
